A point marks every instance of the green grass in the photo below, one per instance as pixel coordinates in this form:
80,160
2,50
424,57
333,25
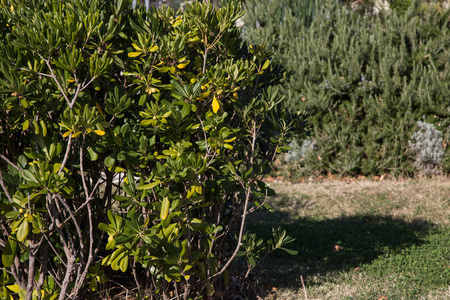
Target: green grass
384,252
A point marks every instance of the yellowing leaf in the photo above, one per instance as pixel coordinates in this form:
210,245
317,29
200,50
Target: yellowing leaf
194,39
137,47
134,54
76,134
205,94
165,208
25,125
198,189
71,79
190,192
99,132
177,23
182,66
153,49
215,105
266,65
14,288
67,133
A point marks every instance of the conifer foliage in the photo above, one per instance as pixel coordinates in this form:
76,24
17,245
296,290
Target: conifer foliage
363,80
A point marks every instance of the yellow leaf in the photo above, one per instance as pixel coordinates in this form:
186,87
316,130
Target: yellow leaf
177,23
25,125
137,47
153,49
76,134
187,277
205,94
266,65
134,54
194,39
14,288
182,66
190,192
99,132
198,189
67,133
71,79
215,105
165,208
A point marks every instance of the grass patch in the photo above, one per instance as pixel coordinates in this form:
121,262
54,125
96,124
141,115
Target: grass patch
360,240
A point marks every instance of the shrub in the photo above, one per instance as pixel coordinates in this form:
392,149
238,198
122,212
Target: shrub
363,81
133,139
427,143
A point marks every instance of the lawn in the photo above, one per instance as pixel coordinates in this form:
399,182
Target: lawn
359,240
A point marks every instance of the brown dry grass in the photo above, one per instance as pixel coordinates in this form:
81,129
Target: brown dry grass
426,199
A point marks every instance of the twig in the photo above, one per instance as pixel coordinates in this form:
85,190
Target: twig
5,189
53,76
11,163
66,155
303,285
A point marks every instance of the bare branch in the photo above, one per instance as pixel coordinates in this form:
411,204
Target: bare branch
53,76
5,189
11,163
66,155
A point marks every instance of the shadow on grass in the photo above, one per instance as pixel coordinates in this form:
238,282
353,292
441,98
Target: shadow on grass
331,245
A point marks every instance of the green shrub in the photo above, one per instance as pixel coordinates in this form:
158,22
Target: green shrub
363,81
142,134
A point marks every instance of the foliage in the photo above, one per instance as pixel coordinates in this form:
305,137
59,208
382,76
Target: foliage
363,81
427,143
140,133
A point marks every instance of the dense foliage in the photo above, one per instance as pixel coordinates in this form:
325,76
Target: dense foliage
363,80
132,139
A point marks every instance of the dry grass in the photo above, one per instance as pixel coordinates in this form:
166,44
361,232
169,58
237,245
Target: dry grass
425,199
410,207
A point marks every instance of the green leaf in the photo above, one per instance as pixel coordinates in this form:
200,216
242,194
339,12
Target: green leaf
291,252
9,253
22,231
27,175
109,161
124,263
107,228
148,186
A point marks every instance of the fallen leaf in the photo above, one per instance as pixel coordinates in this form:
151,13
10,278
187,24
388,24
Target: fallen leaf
384,297
383,177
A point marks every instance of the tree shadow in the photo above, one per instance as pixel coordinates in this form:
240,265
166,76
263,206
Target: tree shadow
332,245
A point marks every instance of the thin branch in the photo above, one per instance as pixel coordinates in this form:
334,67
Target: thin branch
304,288
77,226
5,189
11,163
81,278
53,76
66,155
